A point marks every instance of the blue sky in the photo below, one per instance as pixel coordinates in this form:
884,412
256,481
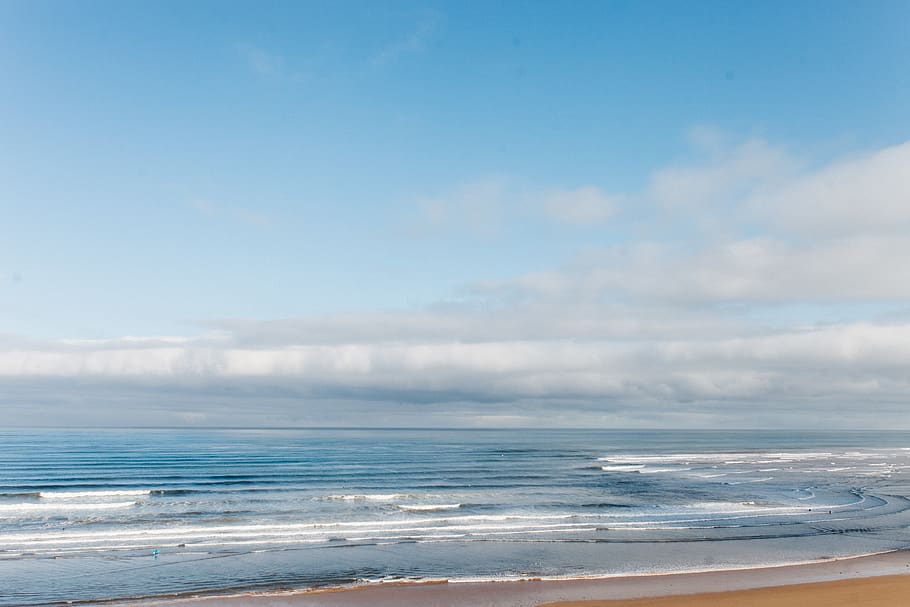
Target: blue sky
241,176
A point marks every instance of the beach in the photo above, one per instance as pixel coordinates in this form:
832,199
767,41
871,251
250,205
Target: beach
888,590
441,303
354,516
881,580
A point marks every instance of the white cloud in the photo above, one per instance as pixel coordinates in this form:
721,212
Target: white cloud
723,176
860,195
748,271
769,231
583,205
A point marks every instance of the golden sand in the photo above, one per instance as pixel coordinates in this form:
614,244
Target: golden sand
886,591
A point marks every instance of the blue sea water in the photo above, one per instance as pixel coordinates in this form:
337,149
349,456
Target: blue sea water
99,515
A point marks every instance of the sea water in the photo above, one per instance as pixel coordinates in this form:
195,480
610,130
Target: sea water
96,515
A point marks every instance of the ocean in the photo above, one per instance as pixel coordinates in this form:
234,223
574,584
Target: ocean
100,515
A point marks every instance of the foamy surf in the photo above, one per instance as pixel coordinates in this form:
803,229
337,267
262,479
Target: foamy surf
62,507
647,470
428,507
374,497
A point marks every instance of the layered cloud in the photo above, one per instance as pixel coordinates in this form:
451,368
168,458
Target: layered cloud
864,364
514,368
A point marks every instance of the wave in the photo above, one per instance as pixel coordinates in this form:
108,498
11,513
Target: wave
291,528
174,491
646,470
740,507
198,537
727,458
505,527
20,496
66,495
751,480
369,497
63,507
428,507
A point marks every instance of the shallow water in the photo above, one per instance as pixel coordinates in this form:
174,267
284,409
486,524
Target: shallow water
106,514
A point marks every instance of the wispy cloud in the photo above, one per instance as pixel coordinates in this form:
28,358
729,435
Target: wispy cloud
584,205
204,206
210,210
414,42
261,62
267,64
252,218
479,207
484,207
721,176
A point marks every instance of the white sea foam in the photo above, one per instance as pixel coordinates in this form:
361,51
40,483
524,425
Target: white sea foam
807,497
286,528
412,528
428,507
752,480
746,507
674,458
204,537
62,507
724,458
647,470
370,497
399,528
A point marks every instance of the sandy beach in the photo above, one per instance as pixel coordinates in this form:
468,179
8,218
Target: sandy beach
881,591
881,580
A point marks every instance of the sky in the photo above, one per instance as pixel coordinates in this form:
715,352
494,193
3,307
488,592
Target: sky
478,214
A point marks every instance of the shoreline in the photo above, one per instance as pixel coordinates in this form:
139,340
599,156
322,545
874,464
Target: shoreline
615,590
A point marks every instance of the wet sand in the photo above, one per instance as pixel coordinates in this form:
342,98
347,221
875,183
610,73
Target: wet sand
882,580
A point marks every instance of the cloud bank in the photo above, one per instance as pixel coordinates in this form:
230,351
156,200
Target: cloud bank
765,290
